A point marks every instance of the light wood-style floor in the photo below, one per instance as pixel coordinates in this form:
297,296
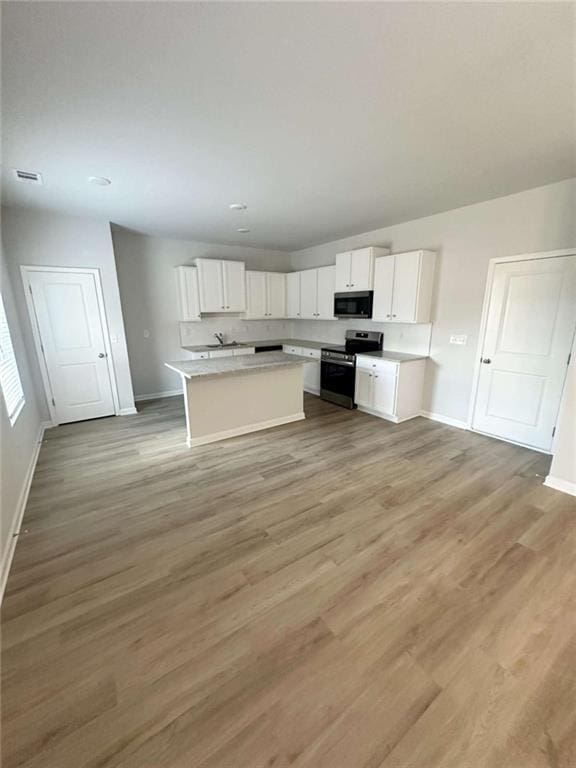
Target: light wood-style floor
337,593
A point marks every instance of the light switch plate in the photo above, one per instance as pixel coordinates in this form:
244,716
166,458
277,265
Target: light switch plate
460,339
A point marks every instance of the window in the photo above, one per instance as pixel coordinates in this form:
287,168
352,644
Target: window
9,376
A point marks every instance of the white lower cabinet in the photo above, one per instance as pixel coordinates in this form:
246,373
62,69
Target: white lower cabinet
311,369
391,390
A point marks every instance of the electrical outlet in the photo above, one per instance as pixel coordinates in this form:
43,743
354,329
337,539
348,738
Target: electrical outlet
460,339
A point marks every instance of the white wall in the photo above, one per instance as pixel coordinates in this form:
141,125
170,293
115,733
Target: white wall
149,300
562,473
541,219
18,443
41,238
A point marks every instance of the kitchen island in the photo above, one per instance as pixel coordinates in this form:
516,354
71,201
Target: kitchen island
230,396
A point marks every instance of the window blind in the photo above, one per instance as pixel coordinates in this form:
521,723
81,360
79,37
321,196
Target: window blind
10,382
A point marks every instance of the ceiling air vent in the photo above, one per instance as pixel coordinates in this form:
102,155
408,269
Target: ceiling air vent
29,177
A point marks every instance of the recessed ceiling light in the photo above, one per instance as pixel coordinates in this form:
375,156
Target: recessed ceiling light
237,207
243,230
99,181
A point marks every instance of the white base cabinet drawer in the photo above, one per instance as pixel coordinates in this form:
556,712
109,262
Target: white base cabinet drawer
390,390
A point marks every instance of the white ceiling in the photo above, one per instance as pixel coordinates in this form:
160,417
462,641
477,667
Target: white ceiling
327,119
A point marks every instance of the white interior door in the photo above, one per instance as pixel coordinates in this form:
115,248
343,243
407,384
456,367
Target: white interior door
71,330
529,331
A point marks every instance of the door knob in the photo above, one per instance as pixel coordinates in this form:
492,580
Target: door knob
101,354
486,360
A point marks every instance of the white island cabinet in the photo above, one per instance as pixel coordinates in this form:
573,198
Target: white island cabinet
391,389
222,286
231,396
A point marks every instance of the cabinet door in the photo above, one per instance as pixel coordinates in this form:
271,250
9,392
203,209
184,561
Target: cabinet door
363,388
276,291
342,283
384,392
326,283
362,270
234,286
405,293
383,284
293,294
255,294
210,285
189,303
309,293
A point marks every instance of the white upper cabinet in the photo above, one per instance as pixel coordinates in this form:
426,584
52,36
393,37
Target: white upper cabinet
403,285
276,294
309,294
189,299
355,269
210,284
266,294
326,288
221,285
234,286
255,294
293,294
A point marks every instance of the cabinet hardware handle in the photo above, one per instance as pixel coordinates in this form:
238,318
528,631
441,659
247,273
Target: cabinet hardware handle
101,354
394,315
387,315
486,360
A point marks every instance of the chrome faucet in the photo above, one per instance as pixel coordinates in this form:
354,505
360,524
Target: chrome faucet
220,337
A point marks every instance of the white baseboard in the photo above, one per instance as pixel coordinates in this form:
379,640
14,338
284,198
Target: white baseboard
444,419
127,411
560,485
157,395
8,554
224,435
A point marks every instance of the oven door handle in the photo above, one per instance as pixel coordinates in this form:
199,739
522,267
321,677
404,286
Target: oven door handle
338,362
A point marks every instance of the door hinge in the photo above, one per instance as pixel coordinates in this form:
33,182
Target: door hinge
553,431
53,401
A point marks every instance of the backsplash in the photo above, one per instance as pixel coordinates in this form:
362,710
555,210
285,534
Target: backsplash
234,329
409,338
413,339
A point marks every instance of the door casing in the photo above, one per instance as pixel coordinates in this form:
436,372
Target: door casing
26,270
485,308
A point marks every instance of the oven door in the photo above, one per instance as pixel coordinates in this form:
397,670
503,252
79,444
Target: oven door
353,304
337,382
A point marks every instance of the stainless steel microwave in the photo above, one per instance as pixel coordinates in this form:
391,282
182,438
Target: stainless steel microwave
353,304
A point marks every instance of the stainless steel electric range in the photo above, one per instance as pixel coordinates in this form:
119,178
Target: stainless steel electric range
338,366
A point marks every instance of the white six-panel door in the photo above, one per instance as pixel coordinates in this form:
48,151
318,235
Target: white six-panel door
529,331
71,330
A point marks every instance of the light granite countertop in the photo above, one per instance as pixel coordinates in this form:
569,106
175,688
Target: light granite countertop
226,366
393,357
383,354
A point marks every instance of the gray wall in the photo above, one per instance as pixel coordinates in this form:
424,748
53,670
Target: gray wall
18,443
46,239
466,239
150,303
